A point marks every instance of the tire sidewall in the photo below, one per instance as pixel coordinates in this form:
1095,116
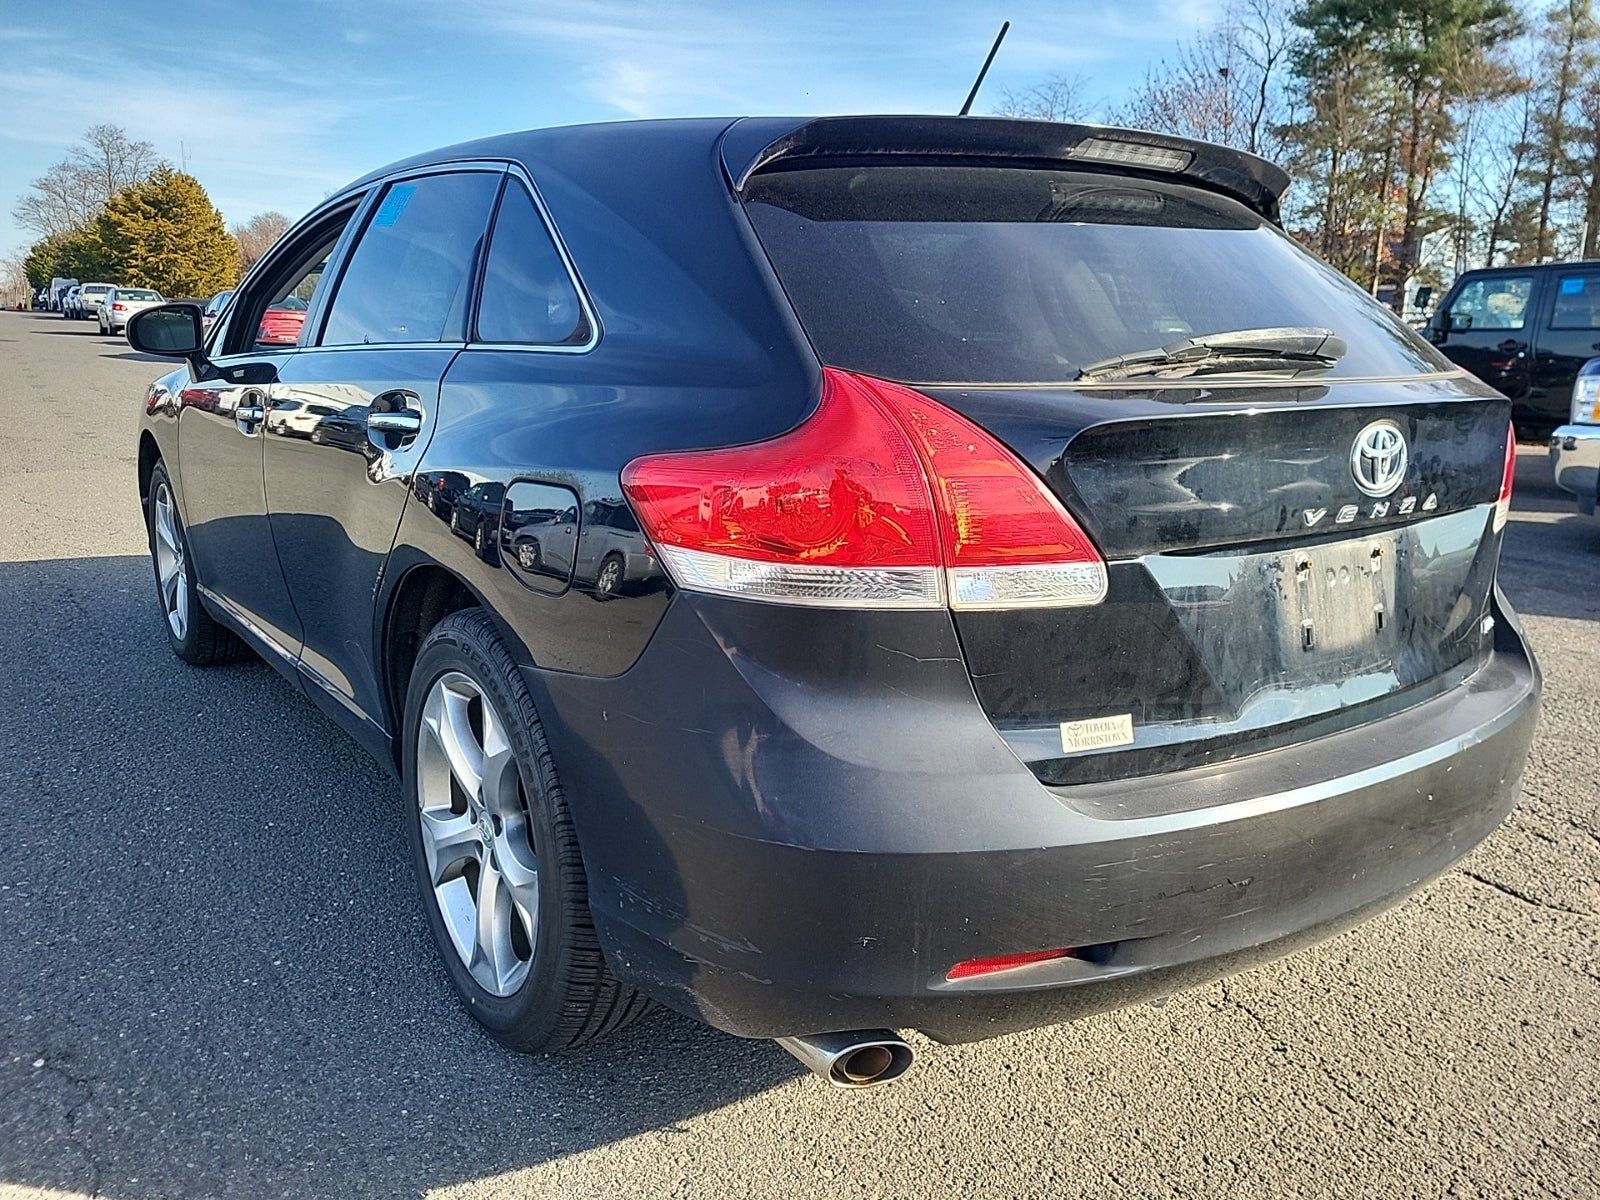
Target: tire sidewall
537,1004
183,647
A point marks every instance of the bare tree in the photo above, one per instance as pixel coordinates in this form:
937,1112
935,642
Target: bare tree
108,160
1223,86
1058,98
73,191
256,236
14,287
1493,177
1567,58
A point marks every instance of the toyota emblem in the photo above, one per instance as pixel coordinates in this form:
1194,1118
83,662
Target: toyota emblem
1378,458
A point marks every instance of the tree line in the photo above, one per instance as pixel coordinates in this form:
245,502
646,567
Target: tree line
113,210
1424,136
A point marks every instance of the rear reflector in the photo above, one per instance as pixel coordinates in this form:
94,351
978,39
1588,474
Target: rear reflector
882,497
1005,962
1502,507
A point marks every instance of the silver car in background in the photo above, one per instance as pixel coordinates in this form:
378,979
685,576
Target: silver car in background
121,303
90,297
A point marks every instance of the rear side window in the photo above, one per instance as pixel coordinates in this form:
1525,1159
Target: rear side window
954,274
1577,302
1497,302
409,275
528,294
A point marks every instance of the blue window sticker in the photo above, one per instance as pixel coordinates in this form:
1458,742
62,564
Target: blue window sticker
394,203
1572,285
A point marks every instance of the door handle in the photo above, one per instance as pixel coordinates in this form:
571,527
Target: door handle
404,423
394,419
250,411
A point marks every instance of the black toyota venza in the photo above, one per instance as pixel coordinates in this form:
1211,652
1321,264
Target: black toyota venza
853,575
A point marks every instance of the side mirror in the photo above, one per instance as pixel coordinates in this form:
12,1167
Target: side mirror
169,330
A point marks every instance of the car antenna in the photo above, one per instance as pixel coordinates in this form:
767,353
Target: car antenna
966,109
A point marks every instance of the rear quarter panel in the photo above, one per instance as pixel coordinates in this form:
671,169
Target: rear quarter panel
696,349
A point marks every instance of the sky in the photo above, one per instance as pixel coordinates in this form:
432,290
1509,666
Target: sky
275,105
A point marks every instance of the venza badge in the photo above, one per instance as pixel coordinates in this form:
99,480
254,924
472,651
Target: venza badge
1378,461
1378,458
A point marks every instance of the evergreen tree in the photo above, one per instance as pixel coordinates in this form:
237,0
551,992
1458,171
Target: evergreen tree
1567,61
165,233
1428,56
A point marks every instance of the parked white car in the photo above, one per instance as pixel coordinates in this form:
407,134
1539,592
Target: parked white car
91,296
121,303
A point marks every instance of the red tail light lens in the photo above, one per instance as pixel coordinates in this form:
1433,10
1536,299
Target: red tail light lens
974,967
118,307
881,497
1005,540
1502,507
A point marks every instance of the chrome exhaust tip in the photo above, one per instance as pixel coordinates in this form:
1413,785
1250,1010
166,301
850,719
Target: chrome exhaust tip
855,1059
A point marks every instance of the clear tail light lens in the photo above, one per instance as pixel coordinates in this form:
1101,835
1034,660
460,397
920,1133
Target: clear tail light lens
1586,394
883,497
1502,506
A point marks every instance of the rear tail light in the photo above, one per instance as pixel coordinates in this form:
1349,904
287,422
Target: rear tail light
882,497
1502,506
118,307
1586,394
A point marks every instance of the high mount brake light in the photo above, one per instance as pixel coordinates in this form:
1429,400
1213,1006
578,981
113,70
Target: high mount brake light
1502,506
881,498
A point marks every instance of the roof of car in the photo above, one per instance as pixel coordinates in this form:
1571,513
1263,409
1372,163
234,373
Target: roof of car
1524,268
747,145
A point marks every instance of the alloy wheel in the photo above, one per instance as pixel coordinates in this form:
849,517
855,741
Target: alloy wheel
482,868
172,565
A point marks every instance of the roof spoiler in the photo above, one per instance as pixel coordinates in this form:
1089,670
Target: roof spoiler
762,143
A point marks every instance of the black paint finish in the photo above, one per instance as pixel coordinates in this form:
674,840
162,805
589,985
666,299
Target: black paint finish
795,819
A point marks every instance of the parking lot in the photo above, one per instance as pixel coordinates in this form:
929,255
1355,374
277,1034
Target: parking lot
215,979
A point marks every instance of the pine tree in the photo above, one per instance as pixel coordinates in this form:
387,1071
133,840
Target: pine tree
165,233
1421,50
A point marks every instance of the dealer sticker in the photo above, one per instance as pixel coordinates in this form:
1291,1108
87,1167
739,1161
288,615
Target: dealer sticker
1097,733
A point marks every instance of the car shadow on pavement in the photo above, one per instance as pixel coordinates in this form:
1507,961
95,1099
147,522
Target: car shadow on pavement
215,978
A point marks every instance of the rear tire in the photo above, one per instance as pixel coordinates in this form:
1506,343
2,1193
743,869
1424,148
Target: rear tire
492,843
194,635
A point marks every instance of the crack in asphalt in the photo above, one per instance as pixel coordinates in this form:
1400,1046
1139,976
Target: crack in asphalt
1516,894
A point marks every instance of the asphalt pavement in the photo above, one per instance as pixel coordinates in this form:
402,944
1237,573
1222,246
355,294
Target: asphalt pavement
215,980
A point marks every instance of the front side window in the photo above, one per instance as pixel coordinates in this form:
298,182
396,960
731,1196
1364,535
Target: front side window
411,272
1497,303
528,295
271,312
961,274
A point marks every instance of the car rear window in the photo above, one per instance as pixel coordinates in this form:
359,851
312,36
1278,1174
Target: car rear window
957,274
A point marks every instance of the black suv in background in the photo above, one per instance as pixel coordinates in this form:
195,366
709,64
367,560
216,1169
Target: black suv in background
843,576
1525,331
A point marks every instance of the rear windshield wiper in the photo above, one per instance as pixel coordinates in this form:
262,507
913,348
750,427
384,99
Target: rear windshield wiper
1237,350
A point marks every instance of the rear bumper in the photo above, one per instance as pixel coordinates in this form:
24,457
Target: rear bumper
778,858
1575,458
